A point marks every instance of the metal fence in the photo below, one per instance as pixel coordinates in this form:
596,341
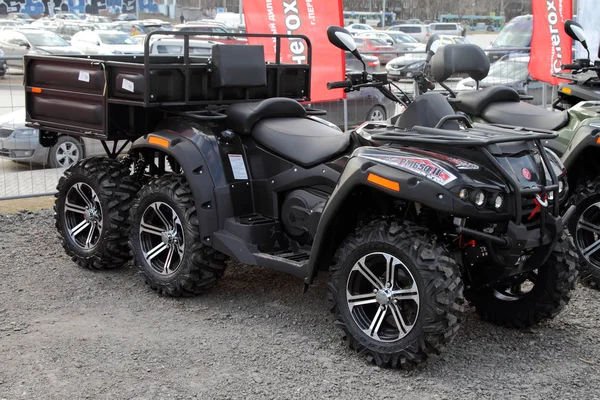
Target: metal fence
27,169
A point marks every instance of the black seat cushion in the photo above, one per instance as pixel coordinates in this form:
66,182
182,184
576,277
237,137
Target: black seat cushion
242,117
525,115
460,59
474,102
303,141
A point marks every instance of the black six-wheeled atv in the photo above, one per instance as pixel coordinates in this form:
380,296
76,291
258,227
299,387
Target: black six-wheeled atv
407,219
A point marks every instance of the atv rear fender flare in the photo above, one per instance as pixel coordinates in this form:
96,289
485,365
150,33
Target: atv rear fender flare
198,156
585,137
412,188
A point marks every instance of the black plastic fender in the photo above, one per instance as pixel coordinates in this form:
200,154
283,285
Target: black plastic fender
412,188
198,155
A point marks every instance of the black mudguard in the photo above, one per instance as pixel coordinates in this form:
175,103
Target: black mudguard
412,188
198,155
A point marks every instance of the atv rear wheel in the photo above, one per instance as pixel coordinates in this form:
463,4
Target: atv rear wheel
92,212
165,238
585,228
395,293
533,297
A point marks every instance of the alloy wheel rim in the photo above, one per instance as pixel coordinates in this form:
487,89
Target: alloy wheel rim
67,154
382,297
587,234
83,216
162,238
517,288
376,115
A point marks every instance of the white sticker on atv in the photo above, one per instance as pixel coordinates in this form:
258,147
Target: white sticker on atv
128,85
420,166
237,166
84,76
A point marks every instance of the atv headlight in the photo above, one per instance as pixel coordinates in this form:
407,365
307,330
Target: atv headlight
498,202
463,194
551,195
561,186
479,198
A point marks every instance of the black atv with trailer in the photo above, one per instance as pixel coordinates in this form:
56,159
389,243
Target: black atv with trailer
227,164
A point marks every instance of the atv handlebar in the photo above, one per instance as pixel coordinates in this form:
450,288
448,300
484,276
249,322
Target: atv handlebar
339,85
570,66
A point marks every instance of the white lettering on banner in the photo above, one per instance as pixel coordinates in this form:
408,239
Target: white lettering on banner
272,25
311,12
555,36
293,23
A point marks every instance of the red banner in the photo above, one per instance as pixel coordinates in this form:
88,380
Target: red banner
550,45
305,17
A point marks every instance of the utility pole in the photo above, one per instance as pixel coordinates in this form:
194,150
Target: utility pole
383,15
370,5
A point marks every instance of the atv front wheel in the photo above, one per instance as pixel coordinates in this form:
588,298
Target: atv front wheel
165,238
533,297
396,294
585,228
92,212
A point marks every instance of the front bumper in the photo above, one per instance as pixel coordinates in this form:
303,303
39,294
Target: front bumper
23,149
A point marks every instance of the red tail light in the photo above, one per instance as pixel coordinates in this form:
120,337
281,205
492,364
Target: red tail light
375,63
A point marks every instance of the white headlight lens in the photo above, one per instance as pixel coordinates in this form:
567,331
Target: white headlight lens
561,186
498,202
551,196
479,198
463,194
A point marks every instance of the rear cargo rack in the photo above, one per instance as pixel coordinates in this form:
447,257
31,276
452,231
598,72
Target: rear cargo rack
116,97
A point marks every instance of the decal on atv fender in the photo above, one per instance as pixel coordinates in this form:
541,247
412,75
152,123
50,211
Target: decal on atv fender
417,165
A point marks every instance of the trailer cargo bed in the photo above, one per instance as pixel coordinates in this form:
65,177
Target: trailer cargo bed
116,97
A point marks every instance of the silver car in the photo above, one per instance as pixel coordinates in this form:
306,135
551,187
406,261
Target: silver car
21,144
19,43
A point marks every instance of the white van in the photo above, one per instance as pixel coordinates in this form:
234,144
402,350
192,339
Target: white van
230,18
445,28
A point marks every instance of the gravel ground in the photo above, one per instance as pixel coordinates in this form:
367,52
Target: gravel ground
69,333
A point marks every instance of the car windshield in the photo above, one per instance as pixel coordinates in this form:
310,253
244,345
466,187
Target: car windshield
45,39
378,42
115,38
513,70
517,33
400,37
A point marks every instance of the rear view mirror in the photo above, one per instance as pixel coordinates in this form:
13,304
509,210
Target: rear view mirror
433,44
575,31
341,38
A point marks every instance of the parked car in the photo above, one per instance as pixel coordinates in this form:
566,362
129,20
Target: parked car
445,28
399,40
90,18
21,17
516,33
3,65
67,29
170,45
106,42
10,24
353,64
405,66
354,28
66,16
20,143
126,17
374,46
368,104
208,29
512,71
419,32
19,43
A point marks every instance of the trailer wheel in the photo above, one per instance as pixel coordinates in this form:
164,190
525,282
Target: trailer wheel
533,297
166,243
396,294
92,211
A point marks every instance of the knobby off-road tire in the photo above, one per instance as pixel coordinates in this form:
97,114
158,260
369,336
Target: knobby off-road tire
540,296
395,273
585,229
166,243
92,212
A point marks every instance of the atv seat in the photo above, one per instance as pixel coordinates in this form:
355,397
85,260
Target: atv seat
473,103
242,117
301,140
525,115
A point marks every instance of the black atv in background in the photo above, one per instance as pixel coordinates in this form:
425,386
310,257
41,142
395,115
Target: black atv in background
577,144
407,219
